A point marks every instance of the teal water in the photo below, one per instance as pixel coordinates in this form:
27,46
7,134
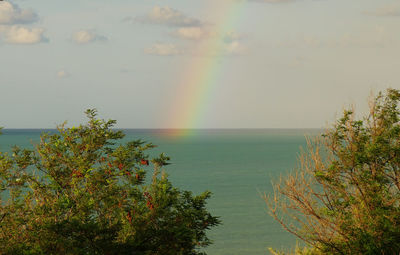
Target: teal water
236,165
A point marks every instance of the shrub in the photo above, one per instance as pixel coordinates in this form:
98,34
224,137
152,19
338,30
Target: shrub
344,198
297,251
81,191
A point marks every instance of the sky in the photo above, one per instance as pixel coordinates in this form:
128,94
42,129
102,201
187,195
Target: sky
194,63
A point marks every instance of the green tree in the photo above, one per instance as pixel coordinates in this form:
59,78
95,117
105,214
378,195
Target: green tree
81,191
344,198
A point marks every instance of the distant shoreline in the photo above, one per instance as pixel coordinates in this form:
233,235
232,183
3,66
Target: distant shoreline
172,129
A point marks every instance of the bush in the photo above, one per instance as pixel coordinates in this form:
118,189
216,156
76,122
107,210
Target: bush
345,196
297,251
80,192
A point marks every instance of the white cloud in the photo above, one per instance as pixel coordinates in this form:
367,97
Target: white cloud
168,16
11,31
87,36
233,43
63,74
192,33
163,49
11,14
389,10
235,48
21,35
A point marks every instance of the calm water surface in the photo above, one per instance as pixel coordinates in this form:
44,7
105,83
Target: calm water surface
236,165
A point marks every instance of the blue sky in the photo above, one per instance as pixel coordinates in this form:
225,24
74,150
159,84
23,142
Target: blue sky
283,63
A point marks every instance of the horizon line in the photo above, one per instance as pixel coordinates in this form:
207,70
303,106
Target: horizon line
241,128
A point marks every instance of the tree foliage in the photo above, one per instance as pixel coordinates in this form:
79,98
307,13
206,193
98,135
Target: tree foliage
81,191
344,198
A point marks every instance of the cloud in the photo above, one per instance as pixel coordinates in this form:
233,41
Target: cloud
233,43
385,11
167,16
11,14
235,48
192,33
87,36
163,49
22,35
11,31
63,74
230,43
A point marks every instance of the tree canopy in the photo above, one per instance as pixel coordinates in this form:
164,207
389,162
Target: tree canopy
344,198
82,191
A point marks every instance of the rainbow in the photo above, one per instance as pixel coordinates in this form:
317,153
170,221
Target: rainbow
199,81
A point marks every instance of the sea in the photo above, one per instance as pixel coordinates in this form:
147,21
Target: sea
237,166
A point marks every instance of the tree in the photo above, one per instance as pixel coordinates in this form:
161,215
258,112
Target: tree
344,198
81,191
